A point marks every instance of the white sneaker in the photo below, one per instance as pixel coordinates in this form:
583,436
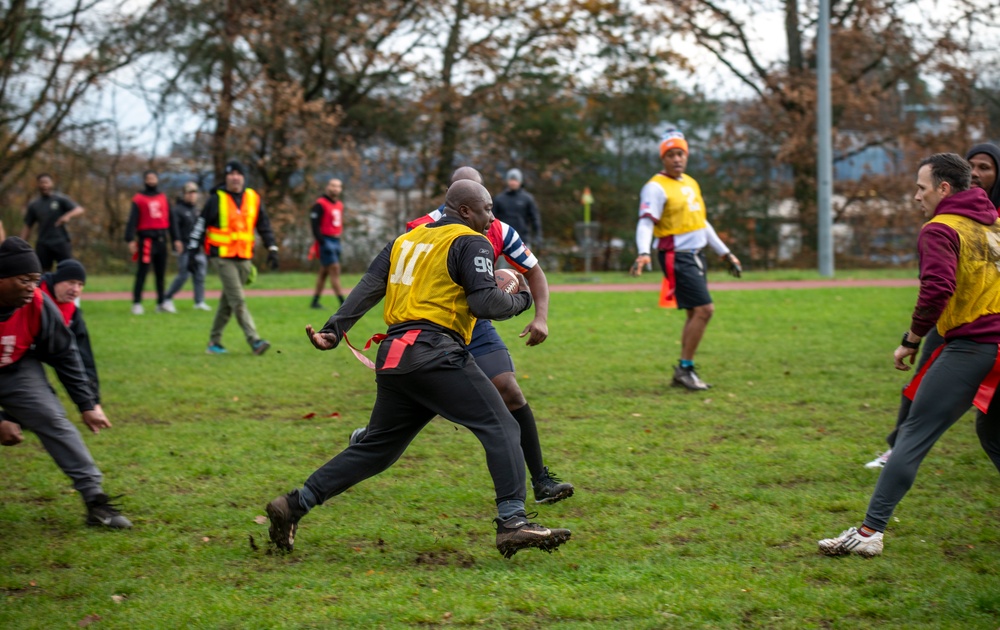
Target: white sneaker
201,306
851,541
166,307
137,309
879,461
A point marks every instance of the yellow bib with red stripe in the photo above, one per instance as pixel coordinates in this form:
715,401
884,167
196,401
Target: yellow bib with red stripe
685,209
420,286
234,236
977,277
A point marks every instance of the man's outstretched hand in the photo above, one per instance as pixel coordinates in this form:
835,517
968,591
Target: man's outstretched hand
321,340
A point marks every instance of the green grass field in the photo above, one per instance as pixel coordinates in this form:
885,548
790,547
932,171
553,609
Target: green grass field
691,511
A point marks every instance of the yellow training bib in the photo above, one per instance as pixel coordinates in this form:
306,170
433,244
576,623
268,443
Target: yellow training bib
685,209
977,278
420,286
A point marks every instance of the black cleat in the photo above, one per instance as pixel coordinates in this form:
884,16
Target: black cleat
260,346
284,514
102,513
549,489
517,533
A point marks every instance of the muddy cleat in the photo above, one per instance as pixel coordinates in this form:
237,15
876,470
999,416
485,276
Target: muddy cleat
549,489
284,514
357,435
260,346
517,533
880,461
851,541
688,378
102,513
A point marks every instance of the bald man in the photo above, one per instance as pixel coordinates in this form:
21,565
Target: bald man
436,280
327,221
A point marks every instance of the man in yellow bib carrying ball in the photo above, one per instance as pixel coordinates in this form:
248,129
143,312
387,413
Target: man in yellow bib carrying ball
672,217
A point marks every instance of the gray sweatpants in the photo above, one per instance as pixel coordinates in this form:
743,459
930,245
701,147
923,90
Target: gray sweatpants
946,392
27,399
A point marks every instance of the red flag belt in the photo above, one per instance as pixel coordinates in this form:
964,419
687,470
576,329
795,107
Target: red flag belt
984,395
396,350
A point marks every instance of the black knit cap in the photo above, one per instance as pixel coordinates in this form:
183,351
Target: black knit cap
69,269
234,166
17,258
993,151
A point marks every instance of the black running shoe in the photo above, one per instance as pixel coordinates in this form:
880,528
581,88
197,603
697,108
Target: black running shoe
517,533
284,514
549,488
102,513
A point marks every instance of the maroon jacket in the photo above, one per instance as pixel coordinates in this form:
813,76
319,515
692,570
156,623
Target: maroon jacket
938,246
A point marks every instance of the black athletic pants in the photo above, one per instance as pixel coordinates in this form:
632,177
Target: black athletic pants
435,376
157,255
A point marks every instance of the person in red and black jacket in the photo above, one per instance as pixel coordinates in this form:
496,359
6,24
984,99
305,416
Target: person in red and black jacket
64,287
327,221
150,227
32,332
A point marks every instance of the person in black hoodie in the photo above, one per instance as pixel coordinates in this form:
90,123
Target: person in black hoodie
185,213
985,161
516,207
64,287
33,331
149,228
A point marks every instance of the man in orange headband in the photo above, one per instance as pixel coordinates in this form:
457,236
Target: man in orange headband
672,217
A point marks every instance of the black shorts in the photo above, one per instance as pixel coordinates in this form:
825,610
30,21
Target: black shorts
495,363
686,271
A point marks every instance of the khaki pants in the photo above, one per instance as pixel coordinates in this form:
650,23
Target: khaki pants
233,272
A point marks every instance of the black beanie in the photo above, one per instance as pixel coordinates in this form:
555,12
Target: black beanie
234,166
69,269
17,258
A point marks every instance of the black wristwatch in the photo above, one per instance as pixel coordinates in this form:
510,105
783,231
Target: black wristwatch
909,344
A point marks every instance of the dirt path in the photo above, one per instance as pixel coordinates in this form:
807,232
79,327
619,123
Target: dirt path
736,285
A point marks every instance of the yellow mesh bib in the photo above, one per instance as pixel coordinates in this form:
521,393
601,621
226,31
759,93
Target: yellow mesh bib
977,278
420,286
685,209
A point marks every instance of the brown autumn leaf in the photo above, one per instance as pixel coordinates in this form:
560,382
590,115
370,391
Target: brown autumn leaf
86,621
309,415
260,519
118,598
335,414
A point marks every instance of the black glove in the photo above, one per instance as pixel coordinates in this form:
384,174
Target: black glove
272,260
192,261
735,269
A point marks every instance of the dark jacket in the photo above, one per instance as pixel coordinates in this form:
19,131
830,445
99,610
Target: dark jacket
517,208
939,247
184,217
56,346
78,327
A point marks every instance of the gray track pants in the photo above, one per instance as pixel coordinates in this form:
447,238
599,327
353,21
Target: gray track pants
27,399
946,392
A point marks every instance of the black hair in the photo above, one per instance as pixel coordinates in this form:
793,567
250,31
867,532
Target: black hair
951,168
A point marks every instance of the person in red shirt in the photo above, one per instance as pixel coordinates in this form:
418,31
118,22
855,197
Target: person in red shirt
33,331
327,221
149,232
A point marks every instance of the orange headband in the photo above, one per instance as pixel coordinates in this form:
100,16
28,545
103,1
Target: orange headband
673,142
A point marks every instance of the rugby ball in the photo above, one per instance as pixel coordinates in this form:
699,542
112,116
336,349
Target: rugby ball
506,280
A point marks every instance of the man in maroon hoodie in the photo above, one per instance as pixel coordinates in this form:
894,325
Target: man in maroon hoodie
985,161
959,251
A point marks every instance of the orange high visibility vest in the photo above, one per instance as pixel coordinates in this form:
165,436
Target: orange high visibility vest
234,236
